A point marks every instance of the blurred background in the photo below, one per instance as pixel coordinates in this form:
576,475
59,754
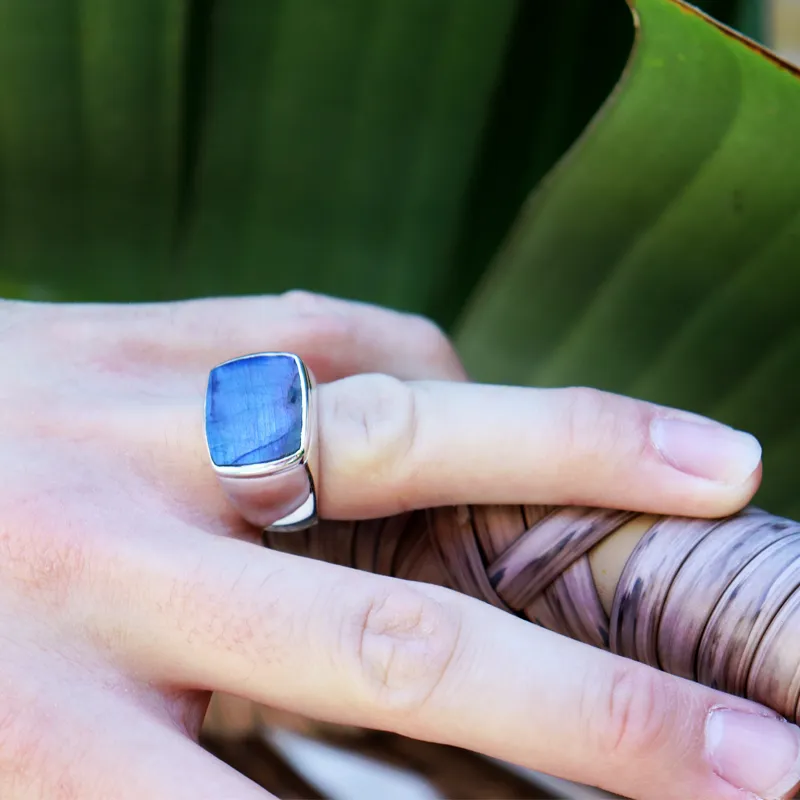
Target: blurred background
783,20
157,149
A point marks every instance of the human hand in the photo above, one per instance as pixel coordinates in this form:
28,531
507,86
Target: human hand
130,589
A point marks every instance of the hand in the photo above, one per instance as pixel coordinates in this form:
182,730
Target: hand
129,589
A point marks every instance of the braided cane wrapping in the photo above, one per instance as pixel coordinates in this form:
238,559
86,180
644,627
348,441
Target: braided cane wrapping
715,601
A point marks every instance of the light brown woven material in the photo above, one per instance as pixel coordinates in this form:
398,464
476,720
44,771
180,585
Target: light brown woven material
715,601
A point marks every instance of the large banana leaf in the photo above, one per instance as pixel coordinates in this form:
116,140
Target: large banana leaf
387,151
89,136
661,257
369,148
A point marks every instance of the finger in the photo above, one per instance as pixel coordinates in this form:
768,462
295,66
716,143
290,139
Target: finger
160,763
431,664
387,446
334,337
52,747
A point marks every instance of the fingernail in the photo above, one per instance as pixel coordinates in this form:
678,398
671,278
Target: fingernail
755,754
706,450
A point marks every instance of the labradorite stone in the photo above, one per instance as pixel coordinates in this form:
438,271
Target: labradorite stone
254,410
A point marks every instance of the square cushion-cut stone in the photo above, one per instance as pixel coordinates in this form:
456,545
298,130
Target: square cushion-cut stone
254,411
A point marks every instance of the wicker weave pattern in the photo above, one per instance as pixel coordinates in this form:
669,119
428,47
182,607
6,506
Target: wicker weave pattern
715,601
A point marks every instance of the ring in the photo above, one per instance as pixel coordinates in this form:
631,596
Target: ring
260,425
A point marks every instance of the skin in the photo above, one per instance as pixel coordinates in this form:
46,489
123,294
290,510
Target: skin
130,589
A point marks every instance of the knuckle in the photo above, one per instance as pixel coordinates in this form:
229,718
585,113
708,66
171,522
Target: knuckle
431,341
301,301
404,643
317,326
377,416
632,715
305,303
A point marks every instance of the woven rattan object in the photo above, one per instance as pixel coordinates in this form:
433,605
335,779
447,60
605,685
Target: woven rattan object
714,601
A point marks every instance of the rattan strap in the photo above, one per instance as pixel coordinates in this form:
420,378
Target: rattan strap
715,601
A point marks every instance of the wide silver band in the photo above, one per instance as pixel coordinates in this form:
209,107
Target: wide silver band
279,495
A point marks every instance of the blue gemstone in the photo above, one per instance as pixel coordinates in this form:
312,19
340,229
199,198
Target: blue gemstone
254,411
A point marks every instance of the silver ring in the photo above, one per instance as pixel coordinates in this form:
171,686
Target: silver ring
260,421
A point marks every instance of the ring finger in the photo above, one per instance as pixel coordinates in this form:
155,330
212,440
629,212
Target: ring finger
387,446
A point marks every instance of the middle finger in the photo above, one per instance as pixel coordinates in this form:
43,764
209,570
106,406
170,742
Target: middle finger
365,650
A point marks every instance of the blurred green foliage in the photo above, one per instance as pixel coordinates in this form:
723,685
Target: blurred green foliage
368,148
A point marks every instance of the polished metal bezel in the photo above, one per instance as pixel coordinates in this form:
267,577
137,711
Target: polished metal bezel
280,465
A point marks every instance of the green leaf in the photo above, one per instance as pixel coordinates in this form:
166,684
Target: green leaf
659,258
371,149
89,142
379,150
552,83
338,141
